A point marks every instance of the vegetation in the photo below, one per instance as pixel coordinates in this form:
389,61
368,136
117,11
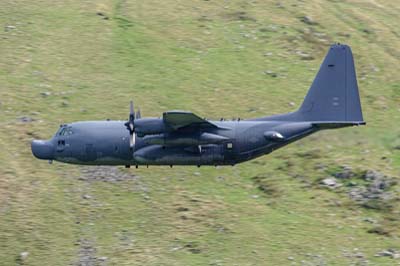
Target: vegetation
63,61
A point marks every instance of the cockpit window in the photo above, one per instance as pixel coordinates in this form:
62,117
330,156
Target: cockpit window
62,132
65,131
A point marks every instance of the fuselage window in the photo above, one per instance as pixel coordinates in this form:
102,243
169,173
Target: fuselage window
229,145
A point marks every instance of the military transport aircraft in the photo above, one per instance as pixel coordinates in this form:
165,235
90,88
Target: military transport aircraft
183,138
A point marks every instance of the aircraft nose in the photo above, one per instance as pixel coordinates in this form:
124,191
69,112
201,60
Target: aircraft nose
42,149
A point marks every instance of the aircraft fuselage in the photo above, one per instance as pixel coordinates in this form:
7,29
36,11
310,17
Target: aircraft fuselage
107,143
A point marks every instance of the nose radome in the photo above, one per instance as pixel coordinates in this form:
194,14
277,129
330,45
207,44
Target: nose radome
42,149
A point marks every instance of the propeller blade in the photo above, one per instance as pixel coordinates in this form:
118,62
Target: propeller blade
138,114
132,112
130,125
132,140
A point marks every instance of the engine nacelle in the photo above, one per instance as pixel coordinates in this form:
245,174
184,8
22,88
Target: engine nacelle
149,126
158,155
173,139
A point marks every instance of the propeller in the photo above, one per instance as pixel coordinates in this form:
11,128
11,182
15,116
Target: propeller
130,125
138,115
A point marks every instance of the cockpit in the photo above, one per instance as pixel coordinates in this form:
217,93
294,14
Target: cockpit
65,130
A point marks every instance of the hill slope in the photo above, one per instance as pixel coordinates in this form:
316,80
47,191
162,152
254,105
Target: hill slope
83,60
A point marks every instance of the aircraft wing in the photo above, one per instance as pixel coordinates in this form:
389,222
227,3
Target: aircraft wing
183,119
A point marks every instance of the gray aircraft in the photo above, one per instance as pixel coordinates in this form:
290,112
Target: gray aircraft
183,138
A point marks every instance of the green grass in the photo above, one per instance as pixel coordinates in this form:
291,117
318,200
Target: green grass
208,57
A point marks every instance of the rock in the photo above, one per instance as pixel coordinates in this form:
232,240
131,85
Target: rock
106,174
26,119
86,196
291,104
384,253
23,255
64,103
329,182
345,173
268,54
243,16
367,31
9,27
372,175
375,68
290,258
220,178
308,20
369,220
182,209
389,253
374,194
306,57
270,73
358,255
101,14
87,253
45,93
379,184
379,230
176,248
344,34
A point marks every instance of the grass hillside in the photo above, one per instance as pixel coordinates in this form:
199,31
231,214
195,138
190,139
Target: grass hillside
64,61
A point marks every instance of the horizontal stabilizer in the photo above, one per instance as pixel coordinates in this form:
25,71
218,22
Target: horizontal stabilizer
336,124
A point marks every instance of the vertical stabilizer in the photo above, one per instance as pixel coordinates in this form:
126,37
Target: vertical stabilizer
333,95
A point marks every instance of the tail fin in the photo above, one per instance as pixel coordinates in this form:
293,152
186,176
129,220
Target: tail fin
333,96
